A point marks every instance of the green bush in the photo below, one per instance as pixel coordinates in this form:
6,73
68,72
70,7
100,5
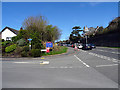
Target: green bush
36,41
24,54
5,43
3,40
10,48
3,49
35,52
18,50
15,38
26,48
21,42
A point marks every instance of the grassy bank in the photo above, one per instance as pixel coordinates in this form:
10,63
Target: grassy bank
113,47
59,50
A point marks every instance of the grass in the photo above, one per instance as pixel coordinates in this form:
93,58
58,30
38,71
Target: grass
113,47
61,50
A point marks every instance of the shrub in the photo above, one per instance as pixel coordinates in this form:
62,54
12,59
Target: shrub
5,43
35,53
21,42
15,38
10,48
3,49
24,54
18,50
3,40
26,48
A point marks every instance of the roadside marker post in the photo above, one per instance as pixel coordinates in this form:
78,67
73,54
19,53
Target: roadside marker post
29,43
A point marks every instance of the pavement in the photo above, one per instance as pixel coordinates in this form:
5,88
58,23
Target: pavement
97,68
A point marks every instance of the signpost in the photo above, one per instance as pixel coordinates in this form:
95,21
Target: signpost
29,43
48,46
86,33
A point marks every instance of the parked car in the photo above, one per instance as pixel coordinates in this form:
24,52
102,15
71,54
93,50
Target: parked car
69,45
87,47
92,45
80,46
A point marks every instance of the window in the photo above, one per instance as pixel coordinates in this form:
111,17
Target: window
8,38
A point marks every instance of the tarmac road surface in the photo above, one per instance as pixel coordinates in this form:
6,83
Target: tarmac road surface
97,68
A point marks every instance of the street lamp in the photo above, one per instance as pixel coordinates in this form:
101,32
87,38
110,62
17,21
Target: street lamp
86,31
86,39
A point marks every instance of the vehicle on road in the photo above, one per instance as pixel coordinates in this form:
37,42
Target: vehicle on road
80,46
69,45
87,47
93,45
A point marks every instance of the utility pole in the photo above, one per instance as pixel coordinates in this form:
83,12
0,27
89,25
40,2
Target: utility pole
86,39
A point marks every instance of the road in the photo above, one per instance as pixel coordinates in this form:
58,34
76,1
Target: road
97,68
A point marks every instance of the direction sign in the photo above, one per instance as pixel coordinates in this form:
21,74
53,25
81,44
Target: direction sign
29,39
49,44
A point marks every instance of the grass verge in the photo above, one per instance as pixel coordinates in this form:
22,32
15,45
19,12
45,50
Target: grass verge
61,50
113,47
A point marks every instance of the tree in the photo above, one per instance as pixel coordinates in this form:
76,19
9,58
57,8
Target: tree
40,25
76,28
22,34
52,33
35,25
75,35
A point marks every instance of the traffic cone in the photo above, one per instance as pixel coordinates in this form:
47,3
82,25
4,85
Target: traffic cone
75,47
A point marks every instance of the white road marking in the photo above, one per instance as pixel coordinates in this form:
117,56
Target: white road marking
21,62
104,57
62,67
108,51
82,61
44,62
106,65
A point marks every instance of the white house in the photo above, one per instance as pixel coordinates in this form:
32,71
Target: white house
7,33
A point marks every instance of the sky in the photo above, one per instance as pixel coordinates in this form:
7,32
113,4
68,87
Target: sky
64,15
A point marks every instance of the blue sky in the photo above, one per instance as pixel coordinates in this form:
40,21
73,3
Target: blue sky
65,15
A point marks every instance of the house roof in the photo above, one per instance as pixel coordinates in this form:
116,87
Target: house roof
11,29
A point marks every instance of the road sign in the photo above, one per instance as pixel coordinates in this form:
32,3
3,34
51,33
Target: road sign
29,39
49,44
44,50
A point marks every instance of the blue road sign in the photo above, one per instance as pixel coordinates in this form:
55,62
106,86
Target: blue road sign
29,39
49,44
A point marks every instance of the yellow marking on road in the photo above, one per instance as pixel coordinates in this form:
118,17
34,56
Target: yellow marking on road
42,58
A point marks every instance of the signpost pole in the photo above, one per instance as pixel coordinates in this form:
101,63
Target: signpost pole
30,43
86,39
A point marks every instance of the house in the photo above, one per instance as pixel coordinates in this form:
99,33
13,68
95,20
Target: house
91,29
7,33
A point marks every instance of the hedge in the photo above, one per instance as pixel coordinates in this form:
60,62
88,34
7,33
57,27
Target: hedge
10,48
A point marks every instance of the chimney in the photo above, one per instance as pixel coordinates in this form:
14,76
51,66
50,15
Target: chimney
97,26
21,28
